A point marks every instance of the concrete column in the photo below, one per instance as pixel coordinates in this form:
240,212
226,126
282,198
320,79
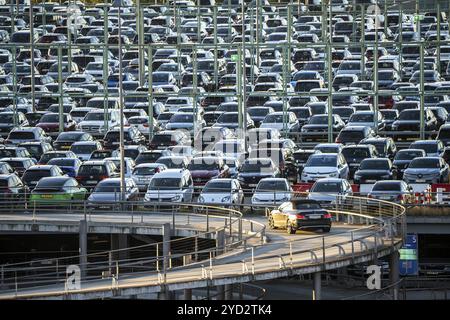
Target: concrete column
220,292
317,286
120,241
228,292
220,241
166,230
82,236
394,273
187,293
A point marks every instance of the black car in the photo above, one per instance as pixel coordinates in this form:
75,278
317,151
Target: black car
131,136
409,121
12,187
36,148
404,157
317,127
354,134
65,139
354,154
372,170
255,169
386,147
92,172
151,156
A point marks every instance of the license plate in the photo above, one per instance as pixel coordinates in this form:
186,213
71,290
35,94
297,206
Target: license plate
47,196
420,180
65,147
91,181
370,181
252,185
143,179
33,182
315,216
385,197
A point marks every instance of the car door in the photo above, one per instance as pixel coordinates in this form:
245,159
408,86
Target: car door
279,216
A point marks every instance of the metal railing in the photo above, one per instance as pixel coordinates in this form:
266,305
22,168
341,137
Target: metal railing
380,225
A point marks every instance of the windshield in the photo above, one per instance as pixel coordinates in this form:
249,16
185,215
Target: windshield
306,205
428,147
327,187
221,186
203,165
109,186
35,175
256,166
165,183
425,163
387,187
272,186
356,153
408,155
83,148
21,135
374,165
97,116
409,115
91,170
322,161
62,162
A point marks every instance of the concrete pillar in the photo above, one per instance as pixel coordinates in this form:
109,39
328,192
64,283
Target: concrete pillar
220,241
228,292
317,286
82,236
166,231
119,241
220,292
187,294
394,273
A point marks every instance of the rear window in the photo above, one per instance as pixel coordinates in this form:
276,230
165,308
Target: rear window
92,170
21,135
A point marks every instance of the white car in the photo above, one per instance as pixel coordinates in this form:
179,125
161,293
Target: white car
171,185
282,121
222,191
327,190
129,165
231,148
94,121
144,172
84,149
325,165
272,191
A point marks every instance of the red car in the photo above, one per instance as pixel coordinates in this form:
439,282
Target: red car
49,122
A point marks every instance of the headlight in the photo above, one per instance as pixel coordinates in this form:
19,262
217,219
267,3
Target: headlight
254,199
226,199
334,174
201,199
176,198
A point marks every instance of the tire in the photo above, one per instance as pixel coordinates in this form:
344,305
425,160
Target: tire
291,230
271,223
326,230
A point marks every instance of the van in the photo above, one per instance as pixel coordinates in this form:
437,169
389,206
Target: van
171,185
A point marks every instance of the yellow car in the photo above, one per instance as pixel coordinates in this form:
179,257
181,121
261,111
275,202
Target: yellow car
300,214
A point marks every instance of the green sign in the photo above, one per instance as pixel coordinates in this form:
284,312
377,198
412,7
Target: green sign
408,254
419,17
234,57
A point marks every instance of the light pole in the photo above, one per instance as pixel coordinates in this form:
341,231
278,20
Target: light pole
121,135
32,56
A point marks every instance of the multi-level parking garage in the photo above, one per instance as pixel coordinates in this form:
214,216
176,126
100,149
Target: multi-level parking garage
234,103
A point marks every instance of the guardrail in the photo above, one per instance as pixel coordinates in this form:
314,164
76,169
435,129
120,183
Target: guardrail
381,225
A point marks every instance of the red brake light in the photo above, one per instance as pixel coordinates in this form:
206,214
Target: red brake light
327,216
300,216
78,178
338,140
103,177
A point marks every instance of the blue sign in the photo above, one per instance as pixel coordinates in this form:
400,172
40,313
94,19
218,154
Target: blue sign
409,258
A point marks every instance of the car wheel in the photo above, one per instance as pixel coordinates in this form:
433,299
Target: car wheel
271,223
326,230
291,230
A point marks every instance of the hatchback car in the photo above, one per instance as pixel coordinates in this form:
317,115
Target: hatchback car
331,165
223,191
427,170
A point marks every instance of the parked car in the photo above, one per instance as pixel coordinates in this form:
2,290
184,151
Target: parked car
171,185
222,191
427,170
330,191
394,191
300,215
272,191
331,165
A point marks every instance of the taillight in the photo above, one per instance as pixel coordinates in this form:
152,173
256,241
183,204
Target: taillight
400,197
300,216
146,125
78,178
327,216
103,177
337,140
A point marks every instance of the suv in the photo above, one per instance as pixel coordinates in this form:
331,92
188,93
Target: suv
166,138
386,147
131,135
91,172
354,134
94,121
171,185
27,134
354,154
34,173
